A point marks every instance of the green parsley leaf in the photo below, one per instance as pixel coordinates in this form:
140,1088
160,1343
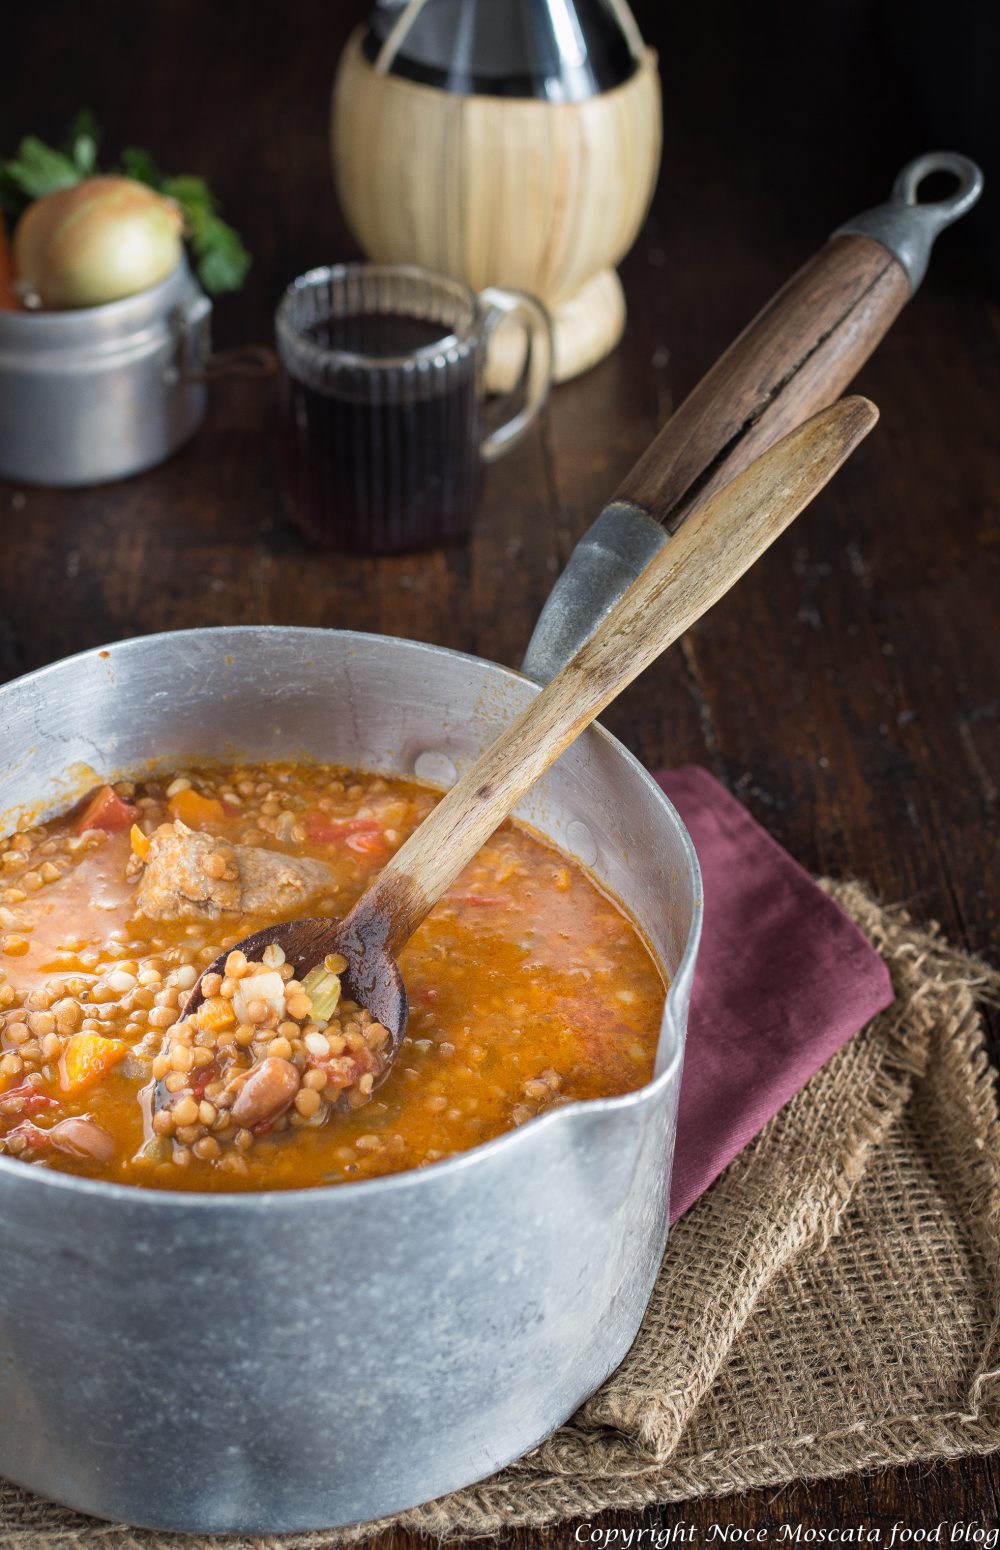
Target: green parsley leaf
141,166
221,259
82,143
35,171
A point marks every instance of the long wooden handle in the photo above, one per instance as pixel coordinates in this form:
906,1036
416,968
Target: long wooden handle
795,358
684,579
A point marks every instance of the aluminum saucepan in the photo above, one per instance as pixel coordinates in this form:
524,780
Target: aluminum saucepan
263,1363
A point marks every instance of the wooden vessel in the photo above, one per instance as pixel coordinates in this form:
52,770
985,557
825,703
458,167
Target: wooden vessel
545,197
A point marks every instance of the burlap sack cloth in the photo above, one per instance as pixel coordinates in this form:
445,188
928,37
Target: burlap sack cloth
829,1305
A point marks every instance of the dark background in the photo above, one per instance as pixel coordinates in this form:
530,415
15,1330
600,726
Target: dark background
848,691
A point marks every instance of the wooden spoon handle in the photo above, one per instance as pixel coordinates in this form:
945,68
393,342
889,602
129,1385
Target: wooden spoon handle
795,357
683,580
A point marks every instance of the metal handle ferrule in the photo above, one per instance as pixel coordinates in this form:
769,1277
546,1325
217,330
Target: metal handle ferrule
908,226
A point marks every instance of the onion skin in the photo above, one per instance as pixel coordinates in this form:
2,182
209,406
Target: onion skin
96,242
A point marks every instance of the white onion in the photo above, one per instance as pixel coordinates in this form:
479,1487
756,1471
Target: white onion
98,241
269,987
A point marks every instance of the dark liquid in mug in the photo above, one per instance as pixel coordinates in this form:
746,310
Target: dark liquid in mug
380,464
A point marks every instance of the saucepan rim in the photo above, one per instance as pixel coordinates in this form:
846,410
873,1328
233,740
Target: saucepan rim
269,1200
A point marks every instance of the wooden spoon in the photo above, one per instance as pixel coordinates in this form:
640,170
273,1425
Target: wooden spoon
688,575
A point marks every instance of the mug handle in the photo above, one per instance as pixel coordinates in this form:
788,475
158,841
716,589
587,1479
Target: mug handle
502,304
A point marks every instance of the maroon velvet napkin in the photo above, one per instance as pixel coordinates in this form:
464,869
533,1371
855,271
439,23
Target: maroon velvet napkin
783,979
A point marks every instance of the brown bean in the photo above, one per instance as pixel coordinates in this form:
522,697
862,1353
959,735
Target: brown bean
266,1092
82,1138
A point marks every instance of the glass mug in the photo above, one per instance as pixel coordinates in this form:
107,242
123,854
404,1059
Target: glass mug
384,425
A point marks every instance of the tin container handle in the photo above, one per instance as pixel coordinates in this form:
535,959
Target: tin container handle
247,360
190,327
796,357
195,362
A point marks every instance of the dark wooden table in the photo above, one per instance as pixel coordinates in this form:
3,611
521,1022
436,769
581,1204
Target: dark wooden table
847,691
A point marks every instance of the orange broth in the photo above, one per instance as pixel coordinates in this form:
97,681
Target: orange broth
529,987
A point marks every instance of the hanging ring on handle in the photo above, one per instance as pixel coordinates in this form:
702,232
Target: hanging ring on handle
907,225
906,189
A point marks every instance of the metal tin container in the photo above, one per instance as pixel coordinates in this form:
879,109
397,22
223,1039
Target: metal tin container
99,393
307,1359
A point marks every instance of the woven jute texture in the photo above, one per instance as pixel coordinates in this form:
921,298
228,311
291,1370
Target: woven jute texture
831,1304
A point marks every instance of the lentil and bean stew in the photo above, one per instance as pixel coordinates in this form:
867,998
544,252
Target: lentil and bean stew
528,987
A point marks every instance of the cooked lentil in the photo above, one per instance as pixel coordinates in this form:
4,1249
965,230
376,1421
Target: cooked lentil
528,988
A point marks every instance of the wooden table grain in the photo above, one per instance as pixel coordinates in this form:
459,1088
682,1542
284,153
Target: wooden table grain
847,692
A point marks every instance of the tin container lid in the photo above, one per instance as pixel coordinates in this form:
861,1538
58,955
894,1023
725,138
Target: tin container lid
556,50
94,329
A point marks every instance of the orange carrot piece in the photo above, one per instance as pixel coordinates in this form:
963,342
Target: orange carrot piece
140,842
196,811
86,1057
8,297
216,1013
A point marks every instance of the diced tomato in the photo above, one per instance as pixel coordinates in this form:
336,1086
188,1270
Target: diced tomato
201,1076
31,1100
362,835
367,844
489,900
320,828
341,1070
106,810
37,1140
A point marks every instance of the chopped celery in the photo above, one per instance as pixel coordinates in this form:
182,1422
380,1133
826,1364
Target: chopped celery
322,987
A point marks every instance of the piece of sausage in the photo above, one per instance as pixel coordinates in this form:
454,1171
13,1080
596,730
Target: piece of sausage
266,1092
